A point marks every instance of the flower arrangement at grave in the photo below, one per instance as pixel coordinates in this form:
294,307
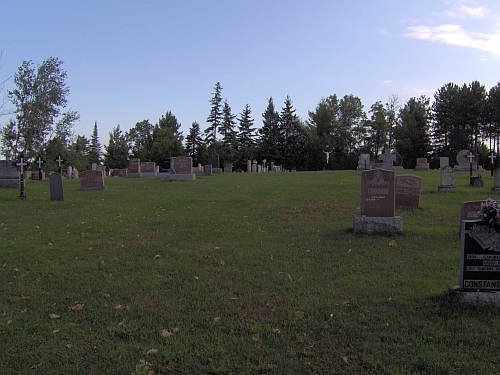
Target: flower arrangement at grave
490,212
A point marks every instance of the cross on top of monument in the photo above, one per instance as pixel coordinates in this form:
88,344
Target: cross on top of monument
21,163
387,158
471,157
492,157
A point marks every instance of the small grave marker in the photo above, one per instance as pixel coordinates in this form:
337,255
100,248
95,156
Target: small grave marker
59,161
408,188
92,180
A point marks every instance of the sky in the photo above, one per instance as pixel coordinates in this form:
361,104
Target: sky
128,61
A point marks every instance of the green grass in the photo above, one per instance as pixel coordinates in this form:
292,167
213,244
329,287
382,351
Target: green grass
256,274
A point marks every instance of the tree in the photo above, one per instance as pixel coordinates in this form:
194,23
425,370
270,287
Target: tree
392,108
140,138
38,98
167,139
95,153
411,137
194,143
78,153
377,128
215,116
228,133
117,150
493,116
270,136
294,139
246,136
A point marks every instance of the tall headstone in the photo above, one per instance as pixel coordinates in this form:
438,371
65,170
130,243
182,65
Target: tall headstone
496,181
408,187
249,166
92,180
134,167
208,169
364,162
213,159
447,179
388,160
69,172
378,203
56,187
444,161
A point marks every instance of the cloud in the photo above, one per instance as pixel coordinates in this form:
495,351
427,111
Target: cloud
387,82
464,11
455,35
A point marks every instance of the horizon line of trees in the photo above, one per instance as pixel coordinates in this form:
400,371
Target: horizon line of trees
460,117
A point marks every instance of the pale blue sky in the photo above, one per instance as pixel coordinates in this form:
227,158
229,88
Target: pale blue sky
133,60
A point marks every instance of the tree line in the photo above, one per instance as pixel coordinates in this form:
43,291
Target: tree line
459,117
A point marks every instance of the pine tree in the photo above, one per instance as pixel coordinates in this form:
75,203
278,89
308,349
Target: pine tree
270,135
117,150
215,116
294,143
194,143
95,154
227,132
246,135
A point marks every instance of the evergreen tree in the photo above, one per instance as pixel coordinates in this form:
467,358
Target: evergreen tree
95,154
270,135
411,137
493,117
228,133
167,139
294,139
215,116
117,150
194,146
246,136
377,128
78,153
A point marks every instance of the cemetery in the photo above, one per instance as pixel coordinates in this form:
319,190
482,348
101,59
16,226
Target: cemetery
268,265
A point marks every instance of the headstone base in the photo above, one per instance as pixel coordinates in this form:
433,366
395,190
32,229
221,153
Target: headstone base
447,188
180,177
489,298
133,175
148,174
9,183
495,190
374,225
94,188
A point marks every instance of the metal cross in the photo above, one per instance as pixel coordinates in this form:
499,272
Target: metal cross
327,153
492,157
59,161
39,161
471,157
21,163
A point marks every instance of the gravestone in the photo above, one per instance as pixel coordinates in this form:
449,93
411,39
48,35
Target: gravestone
496,181
134,168
92,180
422,164
121,172
444,161
447,179
364,162
213,159
9,175
181,165
249,166
480,258
76,173
388,160
208,169
476,181
69,172
228,168
56,187
408,188
470,209
181,169
148,168
378,203
464,162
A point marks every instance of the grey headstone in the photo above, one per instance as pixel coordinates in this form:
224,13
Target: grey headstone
56,187
447,179
213,159
444,161
9,175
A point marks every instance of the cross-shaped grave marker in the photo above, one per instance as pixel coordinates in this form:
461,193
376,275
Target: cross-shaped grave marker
471,157
21,164
388,159
39,161
492,157
59,161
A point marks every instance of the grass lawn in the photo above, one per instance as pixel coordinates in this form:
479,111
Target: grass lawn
254,273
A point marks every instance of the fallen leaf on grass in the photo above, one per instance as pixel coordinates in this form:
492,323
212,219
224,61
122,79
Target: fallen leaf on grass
299,313
345,359
119,307
346,303
392,243
216,319
105,295
9,322
157,256
25,298
165,333
222,262
53,316
152,351
256,337
275,330
76,307
34,367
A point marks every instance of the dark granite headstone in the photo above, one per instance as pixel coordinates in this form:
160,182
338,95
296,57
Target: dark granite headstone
408,190
377,193
56,187
213,159
181,165
9,175
92,180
